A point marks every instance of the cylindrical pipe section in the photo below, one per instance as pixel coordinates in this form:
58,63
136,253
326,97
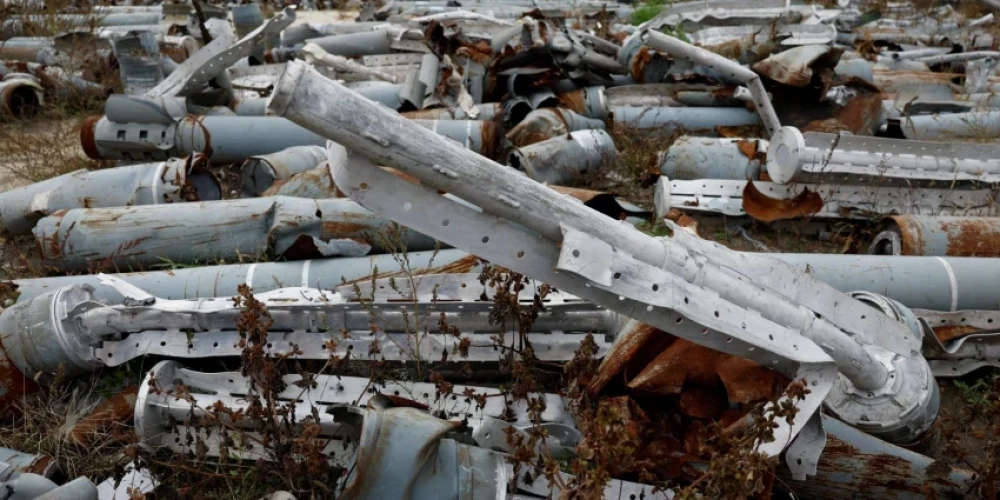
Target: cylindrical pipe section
236,138
938,236
295,228
690,119
693,157
20,98
259,173
221,281
546,123
366,43
563,159
939,283
951,126
144,184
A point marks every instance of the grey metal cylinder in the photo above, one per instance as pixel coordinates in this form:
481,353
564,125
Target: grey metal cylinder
259,173
234,138
938,236
692,158
294,228
144,184
546,123
561,159
352,45
220,281
951,126
938,283
691,119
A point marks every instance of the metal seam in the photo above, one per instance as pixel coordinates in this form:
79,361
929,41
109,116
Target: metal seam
952,282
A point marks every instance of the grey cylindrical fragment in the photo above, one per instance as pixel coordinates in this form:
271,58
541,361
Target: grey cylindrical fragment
543,124
939,283
143,184
691,158
259,173
221,281
562,159
229,230
700,119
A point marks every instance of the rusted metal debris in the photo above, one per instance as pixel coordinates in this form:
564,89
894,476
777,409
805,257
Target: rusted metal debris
926,235
114,411
777,112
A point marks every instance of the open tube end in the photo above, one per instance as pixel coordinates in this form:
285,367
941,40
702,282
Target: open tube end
284,90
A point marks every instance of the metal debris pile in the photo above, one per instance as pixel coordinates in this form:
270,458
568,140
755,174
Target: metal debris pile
429,138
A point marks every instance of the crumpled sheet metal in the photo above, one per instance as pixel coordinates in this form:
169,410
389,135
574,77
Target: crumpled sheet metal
35,487
212,60
840,201
960,342
796,67
294,228
763,208
138,56
938,236
143,184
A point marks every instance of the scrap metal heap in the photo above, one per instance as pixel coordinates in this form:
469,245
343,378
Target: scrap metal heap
429,139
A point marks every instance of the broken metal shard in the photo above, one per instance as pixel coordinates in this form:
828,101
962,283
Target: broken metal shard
224,280
616,266
389,451
82,334
169,181
293,228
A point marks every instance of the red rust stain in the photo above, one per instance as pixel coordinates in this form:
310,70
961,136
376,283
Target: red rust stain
972,238
637,339
13,385
946,333
87,139
702,402
748,148
763,208
341,229
746,381
682,361
859,116
640,61
572,100
400,401
488,135
117,410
